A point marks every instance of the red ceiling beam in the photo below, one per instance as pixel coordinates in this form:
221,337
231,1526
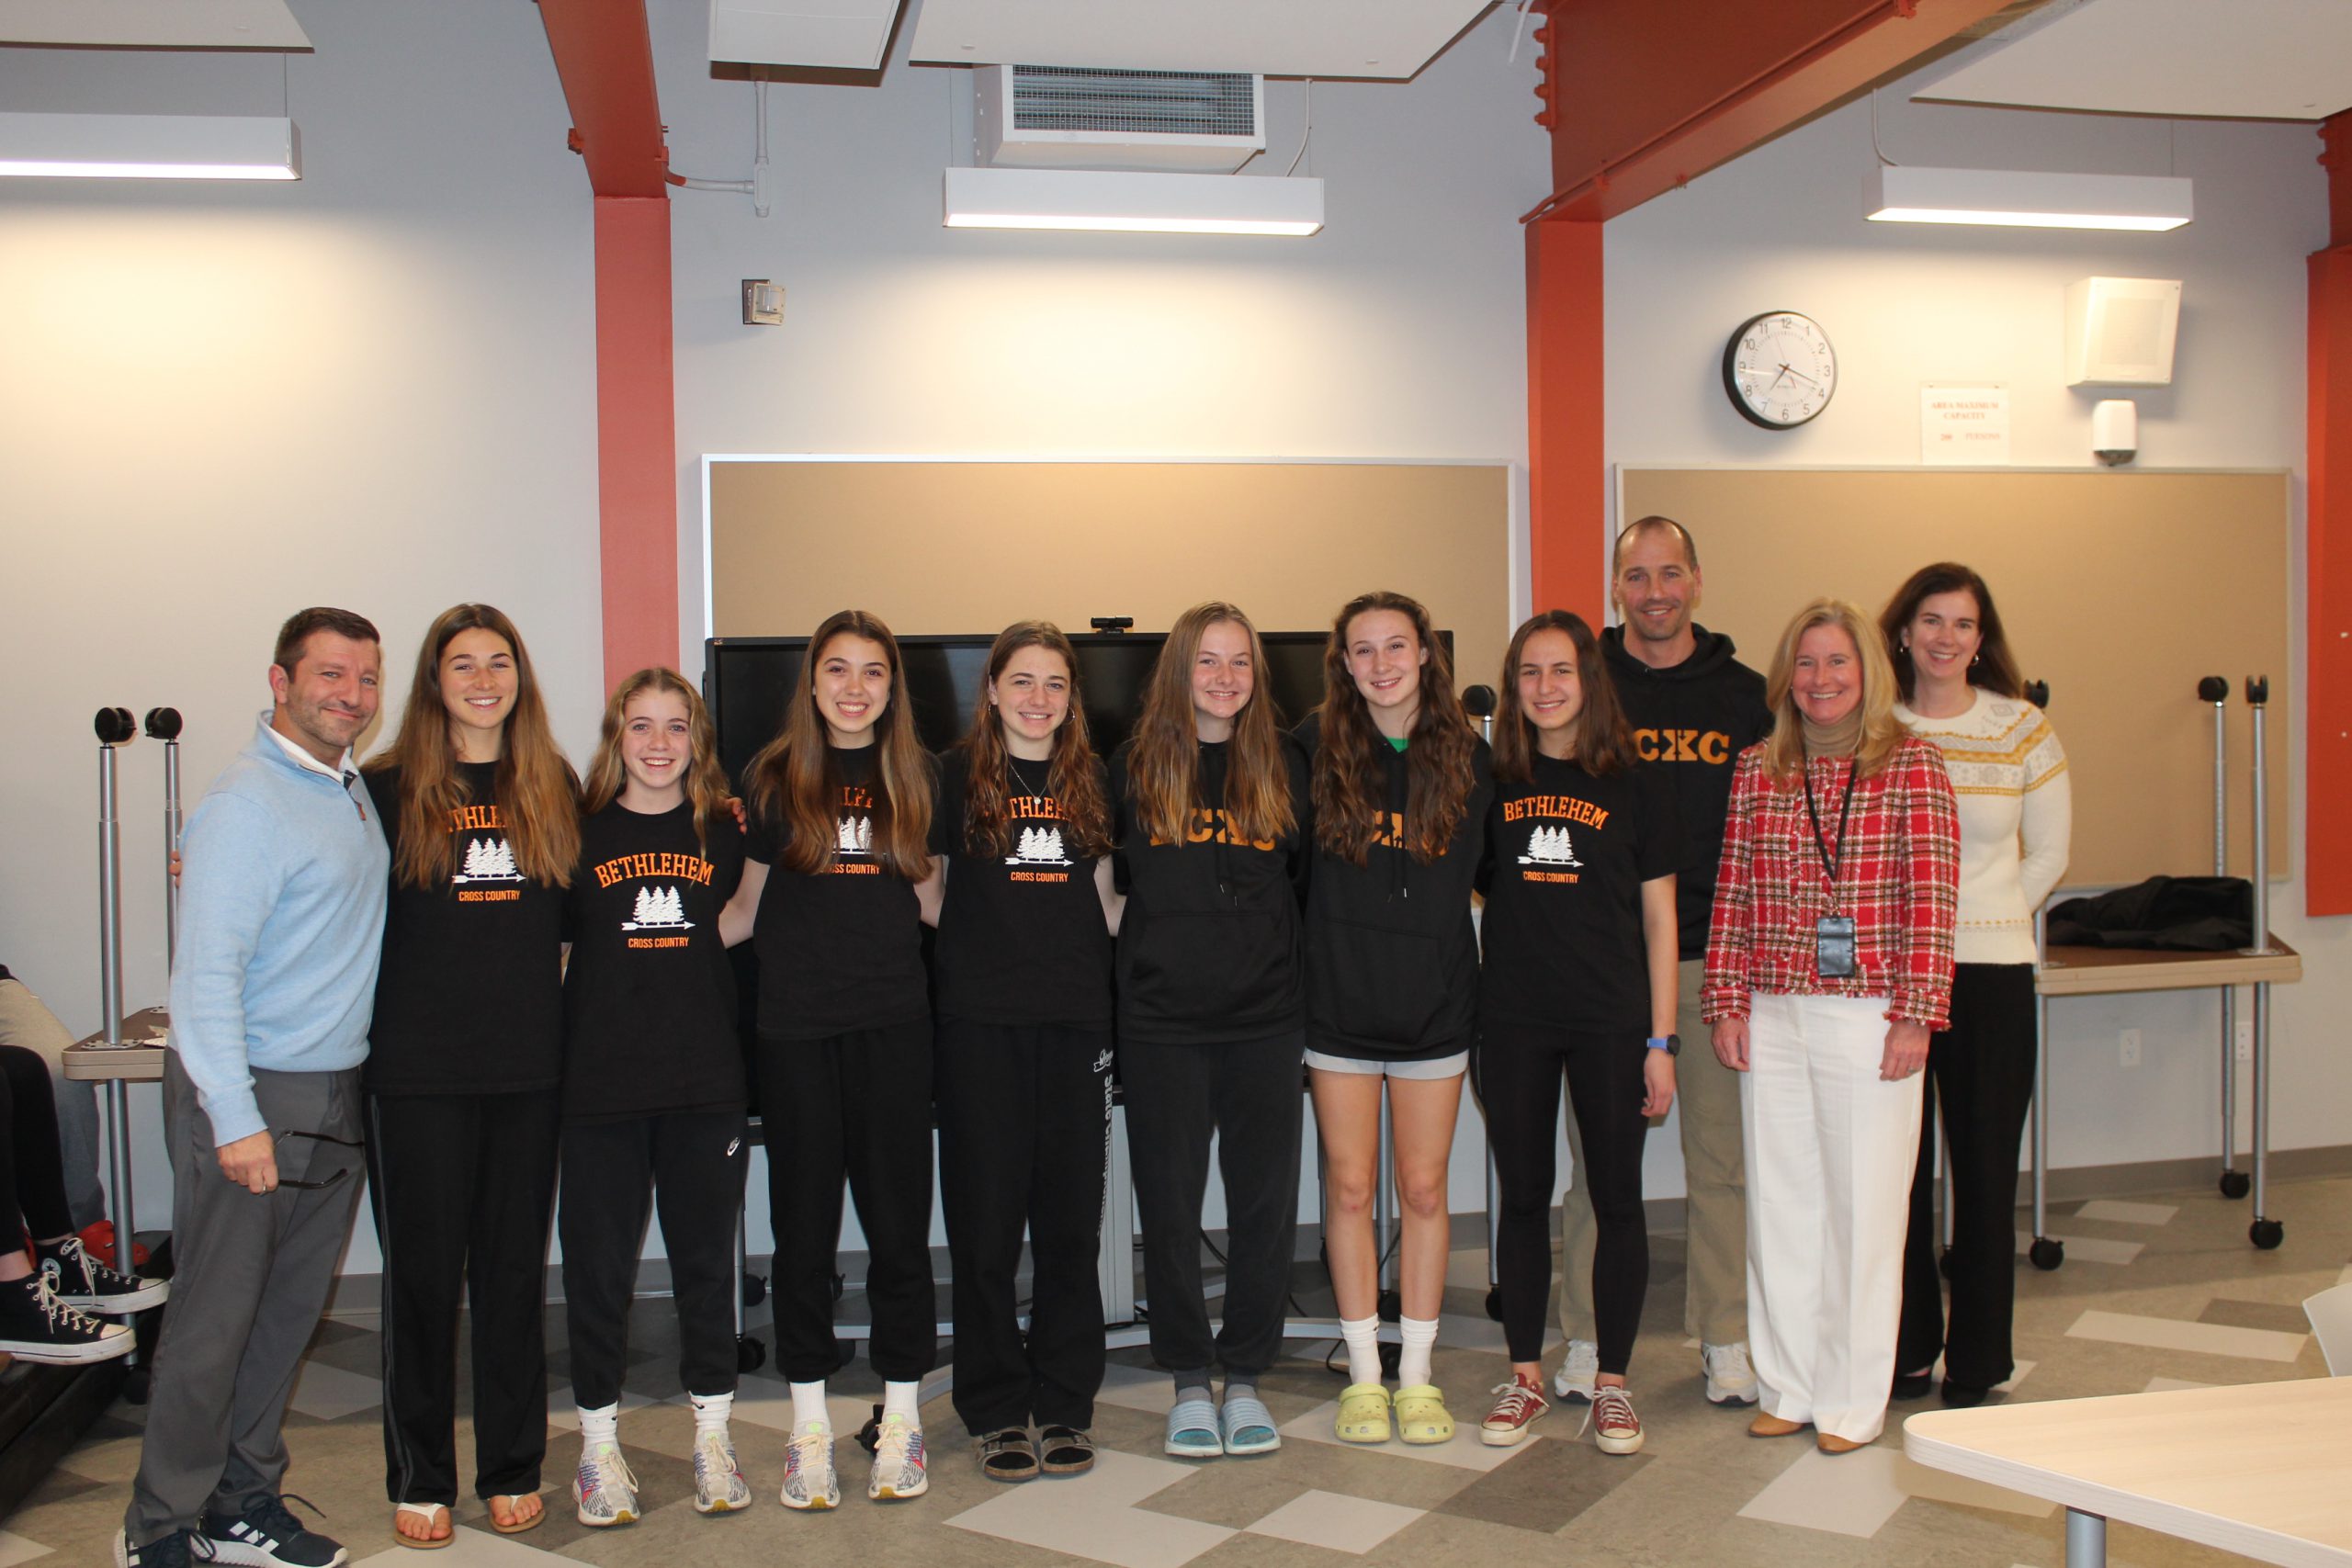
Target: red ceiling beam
604,54
1642,97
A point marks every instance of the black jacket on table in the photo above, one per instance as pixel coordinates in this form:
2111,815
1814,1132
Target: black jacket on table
649,999
1392,957
1209,947
1693,719
469,998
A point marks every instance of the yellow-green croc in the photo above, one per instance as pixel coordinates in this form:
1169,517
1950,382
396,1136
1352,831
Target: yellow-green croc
1363,1414
1422,1415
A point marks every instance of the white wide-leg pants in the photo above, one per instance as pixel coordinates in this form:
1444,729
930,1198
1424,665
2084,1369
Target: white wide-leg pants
1830,1147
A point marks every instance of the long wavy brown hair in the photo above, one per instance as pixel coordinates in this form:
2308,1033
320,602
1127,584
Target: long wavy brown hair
1351,767
537,793
704,777
1881,731
1996,667
1599,738
1164,762
1072,776
794,783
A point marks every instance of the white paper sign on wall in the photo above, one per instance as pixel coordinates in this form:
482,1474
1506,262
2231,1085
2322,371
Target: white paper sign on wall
1963,425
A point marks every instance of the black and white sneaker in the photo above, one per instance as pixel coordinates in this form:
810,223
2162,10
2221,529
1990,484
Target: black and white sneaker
37,1326
181,1548
265,1534
81,1280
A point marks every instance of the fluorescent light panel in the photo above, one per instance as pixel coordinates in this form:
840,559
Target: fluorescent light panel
2019,198
149,146
1132,203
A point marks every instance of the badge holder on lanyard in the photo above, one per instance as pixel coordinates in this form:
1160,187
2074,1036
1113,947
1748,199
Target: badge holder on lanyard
1833,954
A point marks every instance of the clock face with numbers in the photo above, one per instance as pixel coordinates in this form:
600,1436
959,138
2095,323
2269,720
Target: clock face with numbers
1779,369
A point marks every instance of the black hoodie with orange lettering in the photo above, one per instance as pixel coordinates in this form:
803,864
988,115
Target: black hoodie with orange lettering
1209,948
1392,958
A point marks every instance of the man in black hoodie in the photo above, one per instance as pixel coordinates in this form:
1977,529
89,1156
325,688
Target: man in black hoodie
1693,708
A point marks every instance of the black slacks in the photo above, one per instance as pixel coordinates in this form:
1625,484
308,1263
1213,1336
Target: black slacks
1246,1092
1982,1068
1023,1116
462,1186
691,1164
853,1106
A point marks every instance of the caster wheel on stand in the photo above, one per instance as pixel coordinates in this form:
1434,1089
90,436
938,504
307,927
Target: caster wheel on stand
1390,1356
837,1283
2265,1234
2237,1184
1943,1263
755,1288
750,1355
1392,1307
2046,1253
1495,1303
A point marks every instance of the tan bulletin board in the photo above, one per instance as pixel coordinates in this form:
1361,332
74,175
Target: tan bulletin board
970,546
2118,588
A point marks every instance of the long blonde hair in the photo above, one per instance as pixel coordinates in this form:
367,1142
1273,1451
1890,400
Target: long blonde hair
1881,731
705,778
1164,763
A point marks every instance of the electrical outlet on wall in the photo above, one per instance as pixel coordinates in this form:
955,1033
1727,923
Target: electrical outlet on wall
2129,1043
2243,1047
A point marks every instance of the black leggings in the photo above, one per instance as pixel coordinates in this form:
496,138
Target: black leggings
1517,1070
32,1171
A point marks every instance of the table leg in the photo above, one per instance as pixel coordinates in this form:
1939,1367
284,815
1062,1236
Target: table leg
2041,1117
119,1207
2264,1233
2085,1540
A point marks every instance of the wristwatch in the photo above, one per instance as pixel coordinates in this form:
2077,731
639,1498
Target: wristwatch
1669,1044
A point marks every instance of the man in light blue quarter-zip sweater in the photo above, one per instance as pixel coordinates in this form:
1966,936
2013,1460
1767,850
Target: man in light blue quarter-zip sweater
281,919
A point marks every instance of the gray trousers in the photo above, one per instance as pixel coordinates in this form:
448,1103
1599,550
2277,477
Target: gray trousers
26,1021
252,1273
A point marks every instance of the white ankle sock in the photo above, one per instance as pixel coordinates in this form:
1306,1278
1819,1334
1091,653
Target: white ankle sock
902,1400
1363,1335
711,1411
600,1425
808,1407
1420,1336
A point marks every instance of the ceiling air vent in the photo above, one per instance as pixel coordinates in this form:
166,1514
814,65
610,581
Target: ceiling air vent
1057,117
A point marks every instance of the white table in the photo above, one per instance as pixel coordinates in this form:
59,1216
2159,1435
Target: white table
2262,1470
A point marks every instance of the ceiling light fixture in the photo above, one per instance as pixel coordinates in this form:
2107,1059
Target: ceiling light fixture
2018,199
149,146
1132,203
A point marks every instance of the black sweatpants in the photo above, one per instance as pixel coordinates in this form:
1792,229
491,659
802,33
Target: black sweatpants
1248,1093
691,1164
32,1171
854,1106
462,1186
1517,1070
1982,1068
1024,1114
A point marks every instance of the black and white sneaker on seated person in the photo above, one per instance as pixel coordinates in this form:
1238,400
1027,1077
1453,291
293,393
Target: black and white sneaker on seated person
35,1326
79,1280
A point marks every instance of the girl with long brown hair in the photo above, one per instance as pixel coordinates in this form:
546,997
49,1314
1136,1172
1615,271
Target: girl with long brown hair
1213,817
1401,785
1020,840
653,1096
838,841
1579,984
465,1055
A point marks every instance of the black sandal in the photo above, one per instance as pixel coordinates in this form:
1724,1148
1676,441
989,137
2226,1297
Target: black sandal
1009,1455
1068,1450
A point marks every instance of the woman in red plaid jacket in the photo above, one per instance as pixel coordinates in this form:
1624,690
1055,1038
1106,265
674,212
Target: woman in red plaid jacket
1829,964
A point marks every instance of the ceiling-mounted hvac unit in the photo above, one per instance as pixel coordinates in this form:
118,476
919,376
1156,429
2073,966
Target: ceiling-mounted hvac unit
1058,117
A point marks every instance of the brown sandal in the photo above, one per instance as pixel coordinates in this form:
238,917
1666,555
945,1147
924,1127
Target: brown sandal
1066,1450
1009,1455
513,1525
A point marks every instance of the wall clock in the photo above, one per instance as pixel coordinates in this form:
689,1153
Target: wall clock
1779,369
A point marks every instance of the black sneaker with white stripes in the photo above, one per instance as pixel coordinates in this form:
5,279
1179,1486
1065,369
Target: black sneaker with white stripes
81,1280
265,1534
181,1548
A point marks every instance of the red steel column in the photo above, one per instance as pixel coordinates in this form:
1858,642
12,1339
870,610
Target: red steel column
637,446
1567,472
2327,703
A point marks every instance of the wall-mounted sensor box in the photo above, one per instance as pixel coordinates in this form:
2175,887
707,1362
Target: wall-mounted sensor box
2119,331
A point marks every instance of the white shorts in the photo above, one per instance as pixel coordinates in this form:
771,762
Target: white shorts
1451,1066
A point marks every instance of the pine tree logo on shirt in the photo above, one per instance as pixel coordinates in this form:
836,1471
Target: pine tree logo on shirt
1039,846
488,860
856,836
658,909
1549,846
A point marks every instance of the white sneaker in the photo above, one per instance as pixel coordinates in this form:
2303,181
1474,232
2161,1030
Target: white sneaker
603,1488
1577,1370
719,1486
1730,1379
899,1471
809,1478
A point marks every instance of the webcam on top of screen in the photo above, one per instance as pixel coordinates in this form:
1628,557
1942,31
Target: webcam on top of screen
1111,624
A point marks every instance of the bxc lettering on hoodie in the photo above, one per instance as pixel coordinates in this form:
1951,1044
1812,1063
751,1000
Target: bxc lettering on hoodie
1209,827
1711,747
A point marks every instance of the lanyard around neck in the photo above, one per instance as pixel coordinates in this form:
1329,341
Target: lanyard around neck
1832,856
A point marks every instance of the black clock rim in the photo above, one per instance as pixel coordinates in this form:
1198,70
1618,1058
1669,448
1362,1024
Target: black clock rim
1731,384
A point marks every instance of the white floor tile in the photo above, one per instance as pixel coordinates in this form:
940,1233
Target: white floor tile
1851,1494
2171,1385
1353,1525
1095,1516
328,1392
2122,1213
2170,1334
1942,1486
468,1548
15,1549
2089,1248
1465,1452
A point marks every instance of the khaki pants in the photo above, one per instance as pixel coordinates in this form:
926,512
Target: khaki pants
1714,1310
